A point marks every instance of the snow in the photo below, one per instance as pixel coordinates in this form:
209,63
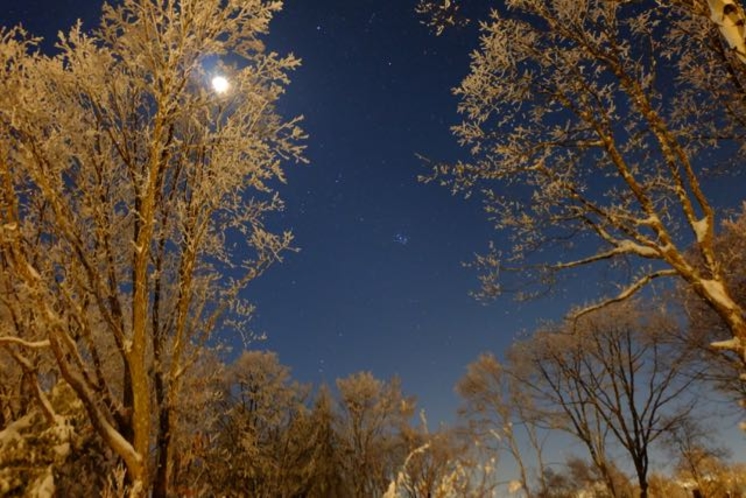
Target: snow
43,487
32,271
728,345
701,229
12,433
716,291
627,246
21,342
729,18
514,487
652,220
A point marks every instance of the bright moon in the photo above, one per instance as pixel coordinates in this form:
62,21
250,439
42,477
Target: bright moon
220,84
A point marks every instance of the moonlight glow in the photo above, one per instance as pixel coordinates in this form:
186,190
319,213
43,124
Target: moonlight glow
220,84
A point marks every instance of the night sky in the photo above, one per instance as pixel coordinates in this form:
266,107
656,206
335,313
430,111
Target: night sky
378,284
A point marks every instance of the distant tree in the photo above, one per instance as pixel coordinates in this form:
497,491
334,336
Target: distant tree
132,198
662,485
558,485
614,376
262,444
326,479
498,414
695,455
446,463
371,415
585,476
591,126
198,414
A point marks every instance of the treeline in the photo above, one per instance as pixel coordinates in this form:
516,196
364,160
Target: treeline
244,429
631,385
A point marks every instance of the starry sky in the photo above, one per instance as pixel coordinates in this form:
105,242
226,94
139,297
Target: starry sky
378,283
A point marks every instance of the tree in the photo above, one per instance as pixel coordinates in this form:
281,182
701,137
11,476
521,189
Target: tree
132,199
586,476
198,415
590,127
614,375
498,412
440,15
444,463
371,414
326,478
695,457
728,16
262,444
38,458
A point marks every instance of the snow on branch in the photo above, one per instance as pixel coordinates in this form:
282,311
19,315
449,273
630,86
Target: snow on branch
627,292
25,344
622,247
731,21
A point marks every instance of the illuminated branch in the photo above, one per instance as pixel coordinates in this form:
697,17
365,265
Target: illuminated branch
731,21
628,292
26,344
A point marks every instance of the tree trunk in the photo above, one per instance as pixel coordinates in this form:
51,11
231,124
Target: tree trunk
161,484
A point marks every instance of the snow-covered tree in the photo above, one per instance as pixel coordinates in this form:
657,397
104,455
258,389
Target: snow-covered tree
262,446
728,15
132,197
445,463
371,415
592,127
704,325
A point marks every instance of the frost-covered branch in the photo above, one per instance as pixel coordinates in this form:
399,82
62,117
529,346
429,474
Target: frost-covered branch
573,138
26,344
126,175
627,292
624,247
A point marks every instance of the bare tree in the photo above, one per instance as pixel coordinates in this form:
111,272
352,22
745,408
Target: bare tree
615,376
371,415
444,463
131,202
591,125
696,457
499,415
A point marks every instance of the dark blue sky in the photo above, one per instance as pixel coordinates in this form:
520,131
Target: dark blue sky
378,284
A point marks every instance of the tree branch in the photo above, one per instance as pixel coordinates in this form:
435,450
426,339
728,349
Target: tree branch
628,292
26,344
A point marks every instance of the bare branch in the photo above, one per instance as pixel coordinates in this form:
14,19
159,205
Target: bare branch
626,293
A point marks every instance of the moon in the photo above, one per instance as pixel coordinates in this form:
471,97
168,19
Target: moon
220,84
